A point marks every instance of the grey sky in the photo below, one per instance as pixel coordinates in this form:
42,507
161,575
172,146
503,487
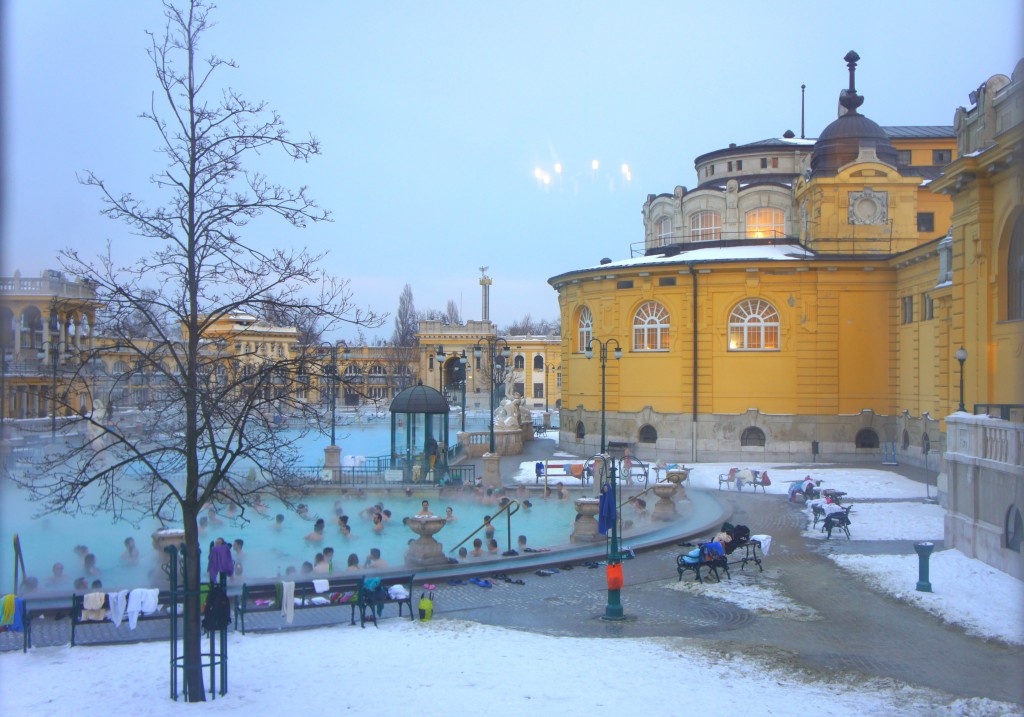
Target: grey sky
434,116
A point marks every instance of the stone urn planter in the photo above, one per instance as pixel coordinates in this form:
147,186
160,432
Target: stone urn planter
161,539
425,550
585,528
665,508
678,476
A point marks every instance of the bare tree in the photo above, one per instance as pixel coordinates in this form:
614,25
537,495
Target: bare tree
175,312
406,323
527,326
452,315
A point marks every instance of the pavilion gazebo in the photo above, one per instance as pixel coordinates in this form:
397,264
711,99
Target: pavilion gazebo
419,434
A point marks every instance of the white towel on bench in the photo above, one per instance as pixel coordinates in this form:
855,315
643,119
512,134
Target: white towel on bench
766,542
321,586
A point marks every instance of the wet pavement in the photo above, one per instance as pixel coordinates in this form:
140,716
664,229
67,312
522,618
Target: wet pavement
842,625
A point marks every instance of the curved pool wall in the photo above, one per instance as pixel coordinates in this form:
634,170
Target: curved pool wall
269,552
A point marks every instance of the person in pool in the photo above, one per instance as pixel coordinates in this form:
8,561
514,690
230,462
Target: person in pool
317,534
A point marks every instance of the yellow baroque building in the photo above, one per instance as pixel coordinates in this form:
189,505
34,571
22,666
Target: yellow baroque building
808,298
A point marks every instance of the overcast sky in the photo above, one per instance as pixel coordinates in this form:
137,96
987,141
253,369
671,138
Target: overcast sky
434,118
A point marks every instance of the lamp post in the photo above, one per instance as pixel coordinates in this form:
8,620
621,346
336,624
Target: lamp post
462,380
613,609
332,372
440,356
603,355
492,343
54,351
961,356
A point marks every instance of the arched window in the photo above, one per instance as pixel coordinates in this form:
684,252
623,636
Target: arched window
378,370
650,328
754,326
866,438
538,363
353,372
648,434
1014,528
1015,273
752,436
906,439
584,329
581,431
665,231
705,226
766,223
519,362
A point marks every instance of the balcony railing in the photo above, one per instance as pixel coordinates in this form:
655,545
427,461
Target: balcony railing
688,241
1005,411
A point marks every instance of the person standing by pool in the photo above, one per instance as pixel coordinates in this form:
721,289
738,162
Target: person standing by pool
238,545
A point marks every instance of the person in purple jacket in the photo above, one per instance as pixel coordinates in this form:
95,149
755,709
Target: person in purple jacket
220,560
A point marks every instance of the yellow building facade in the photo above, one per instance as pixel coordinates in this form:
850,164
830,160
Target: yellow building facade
805,309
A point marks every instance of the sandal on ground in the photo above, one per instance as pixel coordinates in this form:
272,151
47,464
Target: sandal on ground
456,582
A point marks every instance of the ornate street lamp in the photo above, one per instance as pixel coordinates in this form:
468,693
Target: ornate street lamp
506,352
613,609
961,356
589,353
331,371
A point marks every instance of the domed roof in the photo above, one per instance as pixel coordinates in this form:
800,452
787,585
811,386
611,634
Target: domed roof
419,399
841,142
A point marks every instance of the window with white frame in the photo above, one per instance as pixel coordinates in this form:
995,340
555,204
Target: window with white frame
754,326
650,328
705,225
665,231
584,329
766,223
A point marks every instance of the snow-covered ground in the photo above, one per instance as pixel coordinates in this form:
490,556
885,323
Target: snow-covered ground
890,521
858,483
449,668
985,601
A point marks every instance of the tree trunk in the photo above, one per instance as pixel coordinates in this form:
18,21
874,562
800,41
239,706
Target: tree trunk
192,633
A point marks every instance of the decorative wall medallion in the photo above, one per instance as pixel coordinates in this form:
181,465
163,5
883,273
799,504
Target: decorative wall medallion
869,207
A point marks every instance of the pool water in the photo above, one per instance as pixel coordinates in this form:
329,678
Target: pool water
268,552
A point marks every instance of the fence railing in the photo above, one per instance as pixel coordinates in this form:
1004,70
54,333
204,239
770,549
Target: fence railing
1005,411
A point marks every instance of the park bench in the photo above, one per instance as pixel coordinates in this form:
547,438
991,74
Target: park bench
704,559
266,597
78,620
373,601
41,609
563,470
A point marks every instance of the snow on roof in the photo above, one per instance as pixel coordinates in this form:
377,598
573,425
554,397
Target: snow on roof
751,252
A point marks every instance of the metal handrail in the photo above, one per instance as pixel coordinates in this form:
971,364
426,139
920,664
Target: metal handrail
507,508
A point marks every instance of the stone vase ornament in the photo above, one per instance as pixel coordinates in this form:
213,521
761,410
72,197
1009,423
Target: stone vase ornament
678,476
426,550
584,529
665,508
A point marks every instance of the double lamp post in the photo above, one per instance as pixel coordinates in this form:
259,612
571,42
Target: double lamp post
613,609
492,343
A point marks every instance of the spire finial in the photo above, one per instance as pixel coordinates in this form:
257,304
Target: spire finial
849,97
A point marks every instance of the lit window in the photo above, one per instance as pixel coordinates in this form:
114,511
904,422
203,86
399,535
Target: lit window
650,328
584,329
665,231
766,223
705,226
754,326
